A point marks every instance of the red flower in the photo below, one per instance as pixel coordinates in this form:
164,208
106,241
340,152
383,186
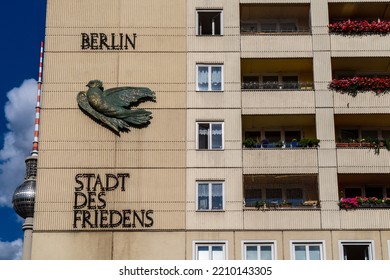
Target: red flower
360,27
361,84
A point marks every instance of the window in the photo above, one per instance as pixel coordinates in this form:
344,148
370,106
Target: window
352,191
210,251
209,77
378,191
294,196
374,191
276,27
270,82
249,27
356,250
252,195
269,27
209,196
209,22
273,196
259,250
307,251
290,82
273,136
210,136
290,135
288,27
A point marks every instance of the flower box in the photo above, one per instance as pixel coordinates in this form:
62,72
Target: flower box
354,85
360,27
364,202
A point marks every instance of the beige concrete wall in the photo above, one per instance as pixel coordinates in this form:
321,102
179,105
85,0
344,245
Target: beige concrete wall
356,161
72,246
163,245
269,161
72,143
275,103
149,246
276,46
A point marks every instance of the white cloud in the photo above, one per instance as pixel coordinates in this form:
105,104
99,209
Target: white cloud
20,114
11,250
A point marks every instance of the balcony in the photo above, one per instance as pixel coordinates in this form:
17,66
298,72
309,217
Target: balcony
266,19
275,142
364,24
281,201
277,86
275,30
364,198
361,85
274,85
281,191
364,191
362,143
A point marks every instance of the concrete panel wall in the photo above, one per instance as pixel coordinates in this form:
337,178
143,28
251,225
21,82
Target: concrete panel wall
276,46
72,143
269,161
280,102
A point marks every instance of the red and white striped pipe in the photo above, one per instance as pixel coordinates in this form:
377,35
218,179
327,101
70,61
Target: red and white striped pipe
38,106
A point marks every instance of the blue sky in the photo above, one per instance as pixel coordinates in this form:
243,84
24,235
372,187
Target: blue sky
22,24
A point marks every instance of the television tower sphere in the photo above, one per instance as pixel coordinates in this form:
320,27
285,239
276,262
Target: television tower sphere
23,199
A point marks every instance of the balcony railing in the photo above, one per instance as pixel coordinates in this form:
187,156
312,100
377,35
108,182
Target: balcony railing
247,31
277,86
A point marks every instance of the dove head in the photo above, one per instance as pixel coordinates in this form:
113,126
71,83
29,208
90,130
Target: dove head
95,84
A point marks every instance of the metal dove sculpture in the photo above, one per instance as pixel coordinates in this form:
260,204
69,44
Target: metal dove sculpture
112,106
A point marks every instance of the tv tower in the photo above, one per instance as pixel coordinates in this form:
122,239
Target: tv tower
23,199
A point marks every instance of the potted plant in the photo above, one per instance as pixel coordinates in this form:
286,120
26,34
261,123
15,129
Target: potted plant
309,142
341,143
348,203
285,204
264,143
294,143
249,142
261,204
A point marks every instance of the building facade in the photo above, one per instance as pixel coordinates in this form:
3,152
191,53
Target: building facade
251,147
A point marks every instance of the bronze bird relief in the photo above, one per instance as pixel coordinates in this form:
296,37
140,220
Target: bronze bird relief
111,107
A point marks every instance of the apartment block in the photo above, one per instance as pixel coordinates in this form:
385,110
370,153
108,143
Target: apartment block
268,139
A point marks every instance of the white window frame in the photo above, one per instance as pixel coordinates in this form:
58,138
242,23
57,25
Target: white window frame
258,243
307,243
210,138
209,66
210,243
370,243
198,32
210,198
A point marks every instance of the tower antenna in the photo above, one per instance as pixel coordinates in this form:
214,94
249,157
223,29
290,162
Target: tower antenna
38,106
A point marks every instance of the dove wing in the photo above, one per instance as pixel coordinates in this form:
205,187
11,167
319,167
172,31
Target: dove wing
114,124
123,96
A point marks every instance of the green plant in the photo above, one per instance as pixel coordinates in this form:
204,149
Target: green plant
309,142
259,204
386,143
249,142
285,202
374,143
